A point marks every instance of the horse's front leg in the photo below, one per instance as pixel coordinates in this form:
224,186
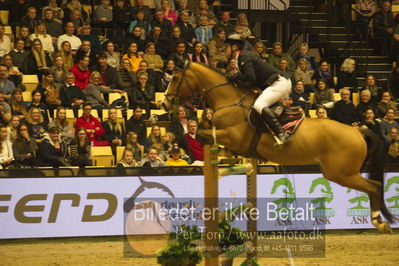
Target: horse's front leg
222,136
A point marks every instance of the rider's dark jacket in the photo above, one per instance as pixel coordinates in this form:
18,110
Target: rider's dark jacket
255,71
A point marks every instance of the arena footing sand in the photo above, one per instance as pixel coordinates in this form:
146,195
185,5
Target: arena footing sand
359,248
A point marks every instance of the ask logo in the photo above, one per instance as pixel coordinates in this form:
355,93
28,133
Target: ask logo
322,187
392,184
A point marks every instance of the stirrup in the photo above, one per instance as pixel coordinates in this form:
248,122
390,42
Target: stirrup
281,139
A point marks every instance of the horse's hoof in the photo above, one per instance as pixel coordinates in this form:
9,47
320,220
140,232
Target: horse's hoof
384,228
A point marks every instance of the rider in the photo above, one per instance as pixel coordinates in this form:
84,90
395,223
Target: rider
261,74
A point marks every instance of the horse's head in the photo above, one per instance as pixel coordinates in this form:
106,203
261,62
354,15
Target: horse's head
179,87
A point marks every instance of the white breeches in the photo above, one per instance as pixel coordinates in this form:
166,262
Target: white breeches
279,89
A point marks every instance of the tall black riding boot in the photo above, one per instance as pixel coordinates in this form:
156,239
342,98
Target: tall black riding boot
275,125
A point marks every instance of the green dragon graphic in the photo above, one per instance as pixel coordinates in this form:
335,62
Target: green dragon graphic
395,199
289,192
328,195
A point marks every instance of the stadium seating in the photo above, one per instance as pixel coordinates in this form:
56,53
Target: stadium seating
30,82
102,156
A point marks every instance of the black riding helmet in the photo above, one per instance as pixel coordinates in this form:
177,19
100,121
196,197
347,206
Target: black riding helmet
236,39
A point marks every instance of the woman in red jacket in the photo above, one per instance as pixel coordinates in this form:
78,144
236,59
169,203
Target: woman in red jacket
81,72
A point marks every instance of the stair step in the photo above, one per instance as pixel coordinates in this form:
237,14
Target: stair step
328,30
381,82
375,67
306,15
302,8
371,59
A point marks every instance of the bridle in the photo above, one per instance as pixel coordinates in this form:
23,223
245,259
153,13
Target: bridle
203,93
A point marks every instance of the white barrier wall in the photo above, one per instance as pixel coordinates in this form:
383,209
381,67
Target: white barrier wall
93,206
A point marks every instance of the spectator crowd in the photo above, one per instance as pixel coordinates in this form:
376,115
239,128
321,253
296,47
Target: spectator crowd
81,56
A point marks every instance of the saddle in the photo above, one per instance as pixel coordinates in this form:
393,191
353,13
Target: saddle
290,118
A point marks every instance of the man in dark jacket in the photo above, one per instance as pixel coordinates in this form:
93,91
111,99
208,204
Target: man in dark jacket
383,28
344,111
137,125
108,73
258,73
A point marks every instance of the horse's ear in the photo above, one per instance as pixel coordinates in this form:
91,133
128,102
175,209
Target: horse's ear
186,64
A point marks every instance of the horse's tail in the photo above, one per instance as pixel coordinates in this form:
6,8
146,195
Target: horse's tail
375,163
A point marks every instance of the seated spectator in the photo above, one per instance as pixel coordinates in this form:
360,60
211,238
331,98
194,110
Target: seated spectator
299,97
71,95
126,78
375,92
232,67
109,76
385,103
155,63
217,49
133,145
344,111
19,55
38,103
194,142
53,25
143,68
5,110
321,112
203,33
81,72
206,119
224,24
14,75
175,157
17,104
41,34
179,57
12,128
154,138
136,37
57,12
364,12
38,60
283,67
112,57
66,53
163,24
6,152
36,125
80,149
203,9
58,71
305,74
347,75
5,43
186,28
198,55
94,129
85,50
364,104
277,54
324,73
17,11
103,15
25,148
175,39
260,50
70,37
371,123
160,40
127,159
74,5
53,150
60,121
168,12
122,14
168,73
144,93
136,124
324,96
388,123
30,19
152,159
133,56
77,19
24,35
383,24
95,43
115,132
94,92
303,52
6,86
158,4
140,6
141,22
393,146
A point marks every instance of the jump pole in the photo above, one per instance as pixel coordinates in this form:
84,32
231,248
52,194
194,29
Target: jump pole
211,189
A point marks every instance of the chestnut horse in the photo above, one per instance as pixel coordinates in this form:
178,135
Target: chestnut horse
340,149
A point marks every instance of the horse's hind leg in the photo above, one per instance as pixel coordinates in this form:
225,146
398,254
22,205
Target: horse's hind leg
372,188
